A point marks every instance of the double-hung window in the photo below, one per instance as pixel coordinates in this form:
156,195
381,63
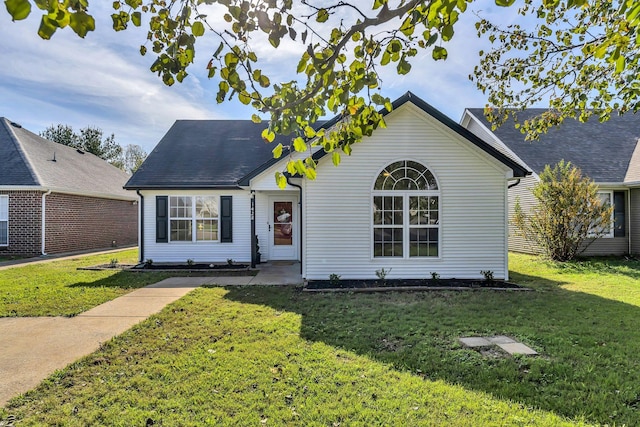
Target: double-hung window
606,230
193,218
406,212
4,220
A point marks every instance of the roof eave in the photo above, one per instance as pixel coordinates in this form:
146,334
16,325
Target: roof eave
237,186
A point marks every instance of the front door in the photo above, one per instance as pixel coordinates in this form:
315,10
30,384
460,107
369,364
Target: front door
283,228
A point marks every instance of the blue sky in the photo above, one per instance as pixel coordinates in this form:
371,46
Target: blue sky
103,81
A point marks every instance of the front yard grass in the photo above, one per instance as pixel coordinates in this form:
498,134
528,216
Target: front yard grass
57,288
277,356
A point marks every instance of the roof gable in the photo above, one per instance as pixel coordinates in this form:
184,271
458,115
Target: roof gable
518,169
14,168
56,166
602,150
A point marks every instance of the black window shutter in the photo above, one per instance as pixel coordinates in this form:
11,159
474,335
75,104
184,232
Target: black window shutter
619,213
226,219
162,219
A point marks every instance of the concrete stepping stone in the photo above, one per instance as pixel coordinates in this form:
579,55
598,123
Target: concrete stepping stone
501,339
517,348
506,343
475,342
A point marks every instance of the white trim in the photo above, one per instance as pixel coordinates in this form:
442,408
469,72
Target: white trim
406,225
493,137
193,218
610,234
5,219
293,253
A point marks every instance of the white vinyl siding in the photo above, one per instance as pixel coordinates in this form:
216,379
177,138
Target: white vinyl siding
201,251
337,205
4,220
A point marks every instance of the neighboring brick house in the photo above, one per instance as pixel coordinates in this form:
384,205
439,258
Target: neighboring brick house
54,198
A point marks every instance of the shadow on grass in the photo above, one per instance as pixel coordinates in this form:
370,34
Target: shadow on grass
124,280
588,364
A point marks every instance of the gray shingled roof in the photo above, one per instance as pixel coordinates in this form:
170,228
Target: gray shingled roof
28,161
601,150
228,153
205,154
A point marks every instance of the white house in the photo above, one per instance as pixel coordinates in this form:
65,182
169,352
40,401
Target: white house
422,195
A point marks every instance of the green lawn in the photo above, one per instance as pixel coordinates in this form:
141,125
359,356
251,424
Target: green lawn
277,356
57,288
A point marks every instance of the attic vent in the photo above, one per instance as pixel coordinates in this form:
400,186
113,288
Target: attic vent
16,125
79,151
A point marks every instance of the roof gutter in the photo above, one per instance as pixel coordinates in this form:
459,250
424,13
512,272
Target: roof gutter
141,216
44,222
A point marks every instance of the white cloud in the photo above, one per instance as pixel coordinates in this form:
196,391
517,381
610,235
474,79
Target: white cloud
103,81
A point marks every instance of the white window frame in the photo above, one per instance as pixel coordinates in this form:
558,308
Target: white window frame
610,234
406,225
4,216
194,219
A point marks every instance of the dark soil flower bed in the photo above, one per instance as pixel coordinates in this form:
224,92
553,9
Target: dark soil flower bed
407,284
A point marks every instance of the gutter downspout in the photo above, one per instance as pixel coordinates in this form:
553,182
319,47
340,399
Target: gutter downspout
44,222
254,255
299,187
514,184
141,215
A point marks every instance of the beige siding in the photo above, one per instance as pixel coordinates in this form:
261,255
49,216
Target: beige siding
239,250
602,246
521,193
634,220
338,205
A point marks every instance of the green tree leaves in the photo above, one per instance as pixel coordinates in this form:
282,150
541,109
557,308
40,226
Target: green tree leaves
18,9
581,58
568,211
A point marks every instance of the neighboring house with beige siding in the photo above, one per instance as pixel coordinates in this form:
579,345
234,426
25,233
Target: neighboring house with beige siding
56,199
419,196
607,152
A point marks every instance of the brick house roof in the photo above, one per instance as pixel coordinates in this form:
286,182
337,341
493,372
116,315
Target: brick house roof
32,161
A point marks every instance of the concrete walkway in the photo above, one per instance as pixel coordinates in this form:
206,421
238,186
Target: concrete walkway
32,348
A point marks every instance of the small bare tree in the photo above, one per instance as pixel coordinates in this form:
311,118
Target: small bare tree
568,212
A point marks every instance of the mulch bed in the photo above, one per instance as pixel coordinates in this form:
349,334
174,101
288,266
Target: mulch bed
208,267
409,284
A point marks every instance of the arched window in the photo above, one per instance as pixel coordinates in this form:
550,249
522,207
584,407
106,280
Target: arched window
406,211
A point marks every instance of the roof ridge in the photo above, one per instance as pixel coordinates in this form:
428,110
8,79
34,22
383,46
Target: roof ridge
23,154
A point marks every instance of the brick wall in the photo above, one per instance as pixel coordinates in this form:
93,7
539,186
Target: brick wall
24,223
77,223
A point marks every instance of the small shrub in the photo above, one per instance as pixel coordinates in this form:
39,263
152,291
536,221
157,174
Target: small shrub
435,276
148,262
488,275
113,263
230,261
334,279
382,273
189,262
